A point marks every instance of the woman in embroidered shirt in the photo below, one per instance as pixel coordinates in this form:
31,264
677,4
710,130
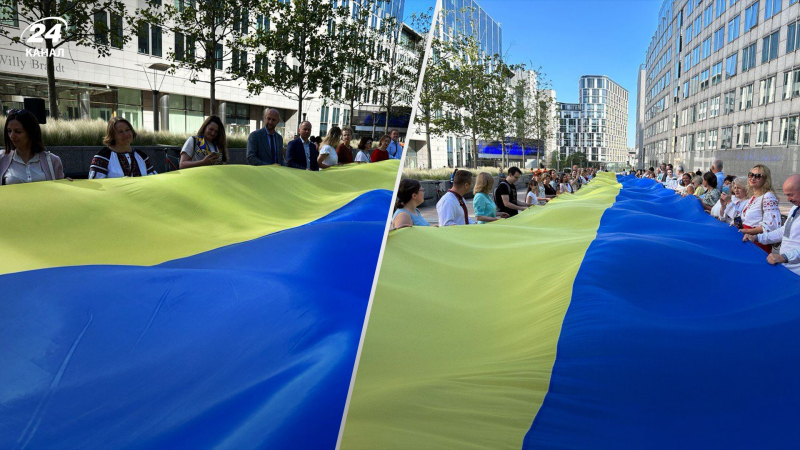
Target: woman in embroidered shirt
731,205
117,159
24,159
327,153
409,195
761,213
208,148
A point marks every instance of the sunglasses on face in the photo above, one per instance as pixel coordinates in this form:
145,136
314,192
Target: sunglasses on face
756,176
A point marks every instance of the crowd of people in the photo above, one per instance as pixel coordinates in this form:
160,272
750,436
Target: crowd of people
489,203
747,203
25,158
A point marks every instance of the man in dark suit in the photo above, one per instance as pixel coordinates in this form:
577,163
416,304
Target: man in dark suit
301,153
265,146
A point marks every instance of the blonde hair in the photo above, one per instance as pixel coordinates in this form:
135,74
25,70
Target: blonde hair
767,176
111,138
334,137
484,183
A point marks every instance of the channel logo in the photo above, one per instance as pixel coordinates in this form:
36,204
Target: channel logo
37,33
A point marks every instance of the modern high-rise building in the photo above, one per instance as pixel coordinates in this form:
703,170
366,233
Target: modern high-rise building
597,125
123,83
640,90
723,81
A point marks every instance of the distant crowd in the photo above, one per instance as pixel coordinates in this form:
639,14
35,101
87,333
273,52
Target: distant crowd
25,158
746,202
489,204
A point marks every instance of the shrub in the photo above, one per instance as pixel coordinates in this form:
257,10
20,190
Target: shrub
443,174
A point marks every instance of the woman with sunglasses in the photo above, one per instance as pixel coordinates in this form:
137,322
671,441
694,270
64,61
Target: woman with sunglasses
761,213
363,145
117,159
25,159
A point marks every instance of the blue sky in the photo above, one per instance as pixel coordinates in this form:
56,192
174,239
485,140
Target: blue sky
570,38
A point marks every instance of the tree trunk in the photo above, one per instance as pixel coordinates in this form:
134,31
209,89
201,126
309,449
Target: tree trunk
213,84
428,140
52,93
474,152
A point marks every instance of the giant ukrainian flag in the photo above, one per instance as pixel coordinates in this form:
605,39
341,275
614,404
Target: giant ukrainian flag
213,307
622,317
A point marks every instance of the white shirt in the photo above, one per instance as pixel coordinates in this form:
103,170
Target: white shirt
733,209
332,159
362,156
762,211
188,148
115,169
790,246
21,172
672,183
450,211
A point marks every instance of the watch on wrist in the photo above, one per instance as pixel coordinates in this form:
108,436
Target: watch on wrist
785,259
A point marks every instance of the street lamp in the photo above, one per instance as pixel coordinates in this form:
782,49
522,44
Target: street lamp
155,86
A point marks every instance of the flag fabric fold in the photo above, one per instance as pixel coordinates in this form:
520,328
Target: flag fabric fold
217,308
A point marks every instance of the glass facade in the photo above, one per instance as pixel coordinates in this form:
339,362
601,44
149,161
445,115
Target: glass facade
748,106
467,17
597,126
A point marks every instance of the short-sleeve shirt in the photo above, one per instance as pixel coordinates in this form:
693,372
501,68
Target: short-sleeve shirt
506,188
344,153
483,206
205,148
331,159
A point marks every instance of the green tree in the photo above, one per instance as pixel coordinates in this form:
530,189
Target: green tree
473,87
428,100
215,27
396,78
97,24
298,55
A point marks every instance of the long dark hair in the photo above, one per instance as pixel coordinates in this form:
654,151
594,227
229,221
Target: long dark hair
407,189
362,144
220,141
31,127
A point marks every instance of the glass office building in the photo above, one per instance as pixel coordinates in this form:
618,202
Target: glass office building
466,17
723,81
597,125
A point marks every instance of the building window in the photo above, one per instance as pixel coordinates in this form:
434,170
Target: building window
707,48
769,49
743,135
346,117
335,118
789,130
712,140
764,136
704,79
751,16
771,7
696,55
179,46
749,57
792,37
733,29
693,114
701,140
746,97
219,53
9,15
791,84
101,28
730,65
716,73
143,36
720,8
719,39
713,110
323,120
730,101
727,137
155,36
684,117
702,110
767,89
694,85
708,16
